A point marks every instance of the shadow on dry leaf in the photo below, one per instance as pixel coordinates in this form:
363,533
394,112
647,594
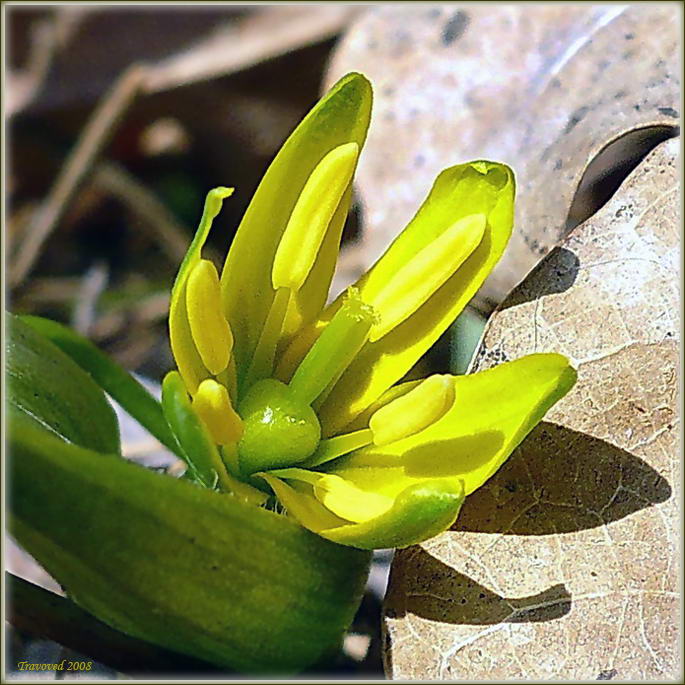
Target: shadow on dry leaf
590,499
561,481
566,266
557,481
448,596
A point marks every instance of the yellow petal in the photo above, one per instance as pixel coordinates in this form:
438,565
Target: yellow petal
188,360
339,496
416,513
299,500
349,502
210,330
420,512
475,188
341,117
492,412
306,304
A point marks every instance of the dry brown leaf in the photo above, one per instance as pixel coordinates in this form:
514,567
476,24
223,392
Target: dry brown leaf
541,87
76,52
565,564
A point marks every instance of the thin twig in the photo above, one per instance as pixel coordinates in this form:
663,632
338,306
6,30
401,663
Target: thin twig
173,238
97,133
26,82
93,283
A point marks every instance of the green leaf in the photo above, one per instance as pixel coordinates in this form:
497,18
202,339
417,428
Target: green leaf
48,388
342,116
46,615
111,377
180,566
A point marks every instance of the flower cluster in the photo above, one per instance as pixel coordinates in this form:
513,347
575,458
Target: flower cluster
279,396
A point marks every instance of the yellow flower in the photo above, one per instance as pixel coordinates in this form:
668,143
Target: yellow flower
278,396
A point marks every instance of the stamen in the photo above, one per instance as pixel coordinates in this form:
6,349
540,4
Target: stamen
229,378
311,217
335,348
332,448
411,413
213,405
209,328
418,279
262,362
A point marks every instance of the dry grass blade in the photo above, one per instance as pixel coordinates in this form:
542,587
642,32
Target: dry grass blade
95,136
173,238
256,38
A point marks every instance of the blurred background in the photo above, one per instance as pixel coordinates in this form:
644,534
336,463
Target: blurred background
213,93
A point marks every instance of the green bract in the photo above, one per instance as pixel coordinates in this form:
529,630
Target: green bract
299,397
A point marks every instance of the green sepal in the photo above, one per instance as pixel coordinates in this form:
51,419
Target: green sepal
198,450
48,388
199,573
112,378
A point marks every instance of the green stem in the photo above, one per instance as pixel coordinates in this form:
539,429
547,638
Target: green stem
265,351
334,351
335,447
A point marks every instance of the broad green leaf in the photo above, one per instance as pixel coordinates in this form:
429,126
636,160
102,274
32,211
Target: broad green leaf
476,188
180,566
45,615
342,116
493,411
113,379
47,387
